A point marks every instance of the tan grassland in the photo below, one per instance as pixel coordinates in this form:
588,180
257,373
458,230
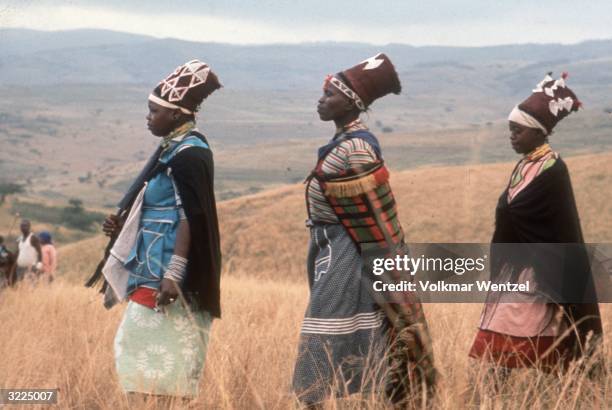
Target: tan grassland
61,336
264,234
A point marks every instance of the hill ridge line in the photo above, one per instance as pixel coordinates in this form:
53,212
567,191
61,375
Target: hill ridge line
395,173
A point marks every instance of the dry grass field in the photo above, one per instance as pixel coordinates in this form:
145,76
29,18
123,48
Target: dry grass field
61,336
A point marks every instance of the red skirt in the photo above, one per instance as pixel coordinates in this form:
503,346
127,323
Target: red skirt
546,352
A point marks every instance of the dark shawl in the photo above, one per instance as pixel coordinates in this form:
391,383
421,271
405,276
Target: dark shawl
193,172
540,228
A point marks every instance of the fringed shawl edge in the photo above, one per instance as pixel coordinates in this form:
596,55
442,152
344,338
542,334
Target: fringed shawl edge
358,184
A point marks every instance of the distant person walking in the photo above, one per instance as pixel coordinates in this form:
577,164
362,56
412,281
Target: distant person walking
538,238
166,258
29,256
49,256
4,252
6,263
352,217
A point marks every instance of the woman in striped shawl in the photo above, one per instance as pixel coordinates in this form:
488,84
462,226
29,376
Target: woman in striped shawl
353,339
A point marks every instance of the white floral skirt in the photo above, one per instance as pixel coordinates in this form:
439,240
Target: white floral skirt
161,353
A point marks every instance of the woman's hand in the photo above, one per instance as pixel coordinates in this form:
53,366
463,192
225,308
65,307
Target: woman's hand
168,292
112,225
169,289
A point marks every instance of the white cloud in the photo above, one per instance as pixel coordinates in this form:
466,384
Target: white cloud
250,31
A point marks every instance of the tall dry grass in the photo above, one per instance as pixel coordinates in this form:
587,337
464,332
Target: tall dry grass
60,336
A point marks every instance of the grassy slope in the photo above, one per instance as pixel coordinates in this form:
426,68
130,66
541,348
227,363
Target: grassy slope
264,234
61,336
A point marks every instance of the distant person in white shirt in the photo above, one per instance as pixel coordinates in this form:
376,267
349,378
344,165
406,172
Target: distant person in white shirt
29,254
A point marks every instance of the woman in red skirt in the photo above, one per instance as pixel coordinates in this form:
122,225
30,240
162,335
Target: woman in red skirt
538,239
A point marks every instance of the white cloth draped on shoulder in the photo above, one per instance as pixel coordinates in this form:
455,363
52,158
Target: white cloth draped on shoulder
114,270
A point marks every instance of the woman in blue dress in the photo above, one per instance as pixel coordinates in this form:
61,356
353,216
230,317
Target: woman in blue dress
165,257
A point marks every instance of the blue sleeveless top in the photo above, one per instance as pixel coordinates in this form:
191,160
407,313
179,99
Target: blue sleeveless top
161,213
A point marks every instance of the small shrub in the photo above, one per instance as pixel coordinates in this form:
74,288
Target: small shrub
8,189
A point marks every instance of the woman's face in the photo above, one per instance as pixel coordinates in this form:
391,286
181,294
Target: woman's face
161,121
525,139
333,104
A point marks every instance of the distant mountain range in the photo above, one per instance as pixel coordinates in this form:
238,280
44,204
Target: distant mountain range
29,57
73,123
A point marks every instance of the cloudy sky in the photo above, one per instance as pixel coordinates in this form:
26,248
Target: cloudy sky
432,22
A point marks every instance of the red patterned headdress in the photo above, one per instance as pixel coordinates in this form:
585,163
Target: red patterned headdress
551,101
186,87
367,81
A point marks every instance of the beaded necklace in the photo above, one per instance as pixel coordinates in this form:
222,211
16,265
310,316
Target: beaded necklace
181,130
352,126
529,160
